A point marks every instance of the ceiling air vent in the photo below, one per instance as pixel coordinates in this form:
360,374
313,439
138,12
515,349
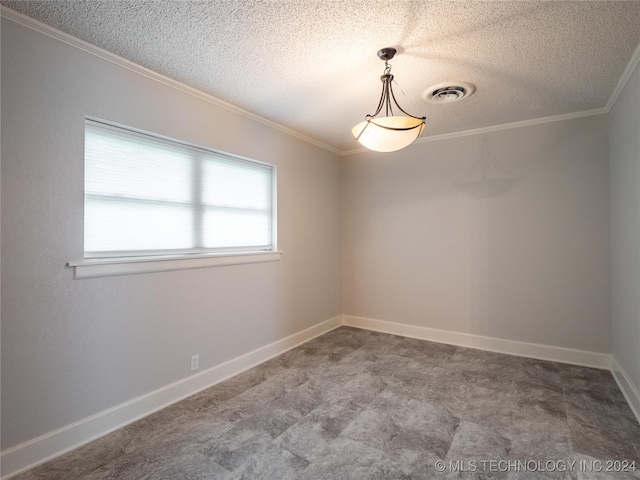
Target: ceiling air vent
448,92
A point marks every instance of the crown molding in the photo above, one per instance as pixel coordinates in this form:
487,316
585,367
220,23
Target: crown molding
633,63
496,128
40,27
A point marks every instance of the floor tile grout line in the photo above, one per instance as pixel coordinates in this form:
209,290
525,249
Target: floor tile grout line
530,379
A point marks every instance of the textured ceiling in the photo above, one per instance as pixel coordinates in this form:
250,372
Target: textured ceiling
312,66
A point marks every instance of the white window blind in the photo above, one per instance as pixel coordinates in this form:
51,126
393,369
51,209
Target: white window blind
146,195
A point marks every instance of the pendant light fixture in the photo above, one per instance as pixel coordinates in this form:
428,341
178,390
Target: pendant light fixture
390,132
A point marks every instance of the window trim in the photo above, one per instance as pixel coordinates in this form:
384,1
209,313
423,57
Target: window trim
130,263
108,267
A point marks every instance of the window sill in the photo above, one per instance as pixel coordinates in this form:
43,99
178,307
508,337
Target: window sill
108,267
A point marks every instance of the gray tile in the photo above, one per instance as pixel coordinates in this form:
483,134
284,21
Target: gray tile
336,372
513,421
136,465
168,432
347,337
592,437
389,469
474,442
212,397
542,447
477,359
540,399
286,379
468,395
382,344
408,410
359,358
426,354
607,419
541,372
407,380
407,372
311,437
543,475
271,420
604,397
429,349
407,445
296,358
387,361
260,396
180,458
344,460
589,468
361,389
528,446
365,405
304,398
576,375
237,447
374,429
83,460
192,467
508,408
274,463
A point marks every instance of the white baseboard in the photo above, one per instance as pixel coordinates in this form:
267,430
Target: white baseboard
511,347
630,391
39,450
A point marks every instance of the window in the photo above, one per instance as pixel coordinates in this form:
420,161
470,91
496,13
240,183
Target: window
151,196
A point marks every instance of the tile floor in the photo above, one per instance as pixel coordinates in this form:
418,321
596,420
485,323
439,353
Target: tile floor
354,404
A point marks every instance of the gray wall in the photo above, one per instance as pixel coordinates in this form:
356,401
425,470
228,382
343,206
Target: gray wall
624,137
72,348
503,234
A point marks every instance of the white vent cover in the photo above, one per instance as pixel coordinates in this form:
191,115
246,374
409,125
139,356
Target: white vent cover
447,92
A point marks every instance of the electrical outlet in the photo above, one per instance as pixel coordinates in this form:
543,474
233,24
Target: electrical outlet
195,362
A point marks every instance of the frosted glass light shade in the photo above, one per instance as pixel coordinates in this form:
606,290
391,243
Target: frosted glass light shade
388,134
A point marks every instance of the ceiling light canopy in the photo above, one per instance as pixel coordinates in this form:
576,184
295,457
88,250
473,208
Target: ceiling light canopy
390,132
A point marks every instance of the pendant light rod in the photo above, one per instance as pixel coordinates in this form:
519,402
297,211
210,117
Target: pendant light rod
387,95
389,132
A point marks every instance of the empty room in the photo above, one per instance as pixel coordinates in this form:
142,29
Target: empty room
272,239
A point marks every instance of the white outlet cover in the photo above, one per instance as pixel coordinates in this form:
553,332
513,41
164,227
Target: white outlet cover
195,362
